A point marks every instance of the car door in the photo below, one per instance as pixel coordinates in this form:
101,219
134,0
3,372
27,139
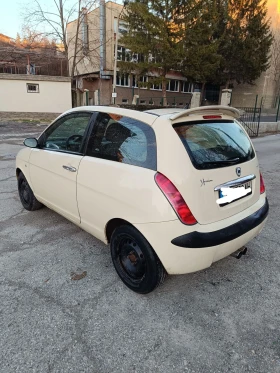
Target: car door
55,163
116,176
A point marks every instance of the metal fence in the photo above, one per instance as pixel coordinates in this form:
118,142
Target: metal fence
250,118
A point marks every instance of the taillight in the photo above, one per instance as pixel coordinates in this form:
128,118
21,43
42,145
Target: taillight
262,186
212,117
175,199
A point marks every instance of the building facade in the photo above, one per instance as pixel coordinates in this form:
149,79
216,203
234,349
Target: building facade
94,66
265,91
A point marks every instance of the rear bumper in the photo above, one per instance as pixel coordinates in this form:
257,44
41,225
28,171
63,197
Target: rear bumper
201,254
200,239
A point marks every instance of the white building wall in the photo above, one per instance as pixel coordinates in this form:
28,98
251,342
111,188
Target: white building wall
53,96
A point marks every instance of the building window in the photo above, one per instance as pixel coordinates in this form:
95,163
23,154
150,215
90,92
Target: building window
125,101
32,88
119,24
157,87
123,80
142,102
173,86
151,58
123,27
124,54
141,79
187,87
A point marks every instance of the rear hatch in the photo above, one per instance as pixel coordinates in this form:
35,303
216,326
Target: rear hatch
224,179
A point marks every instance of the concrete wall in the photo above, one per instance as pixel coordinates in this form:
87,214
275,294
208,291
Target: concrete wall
269,127
264,89
244,95
54,94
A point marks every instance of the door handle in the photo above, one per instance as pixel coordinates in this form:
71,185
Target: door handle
69,168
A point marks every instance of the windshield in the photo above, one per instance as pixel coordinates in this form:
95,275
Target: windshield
214,144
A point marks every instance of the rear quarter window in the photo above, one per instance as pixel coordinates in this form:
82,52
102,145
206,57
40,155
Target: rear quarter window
123,139
214,144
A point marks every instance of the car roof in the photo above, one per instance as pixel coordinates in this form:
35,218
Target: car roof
164,111
135,114
171,114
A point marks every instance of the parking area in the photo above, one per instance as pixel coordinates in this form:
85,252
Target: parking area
64,309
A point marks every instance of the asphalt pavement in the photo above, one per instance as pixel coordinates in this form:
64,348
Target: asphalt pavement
64,309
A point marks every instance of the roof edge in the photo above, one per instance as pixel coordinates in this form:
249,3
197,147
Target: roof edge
31,77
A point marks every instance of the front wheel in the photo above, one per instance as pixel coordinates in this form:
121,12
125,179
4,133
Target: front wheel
135,261
27,198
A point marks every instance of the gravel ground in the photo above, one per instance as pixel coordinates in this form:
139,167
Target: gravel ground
223,319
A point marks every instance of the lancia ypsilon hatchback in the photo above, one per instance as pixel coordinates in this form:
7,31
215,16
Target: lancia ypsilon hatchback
170,190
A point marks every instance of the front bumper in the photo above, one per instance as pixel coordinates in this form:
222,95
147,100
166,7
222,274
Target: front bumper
196,256
200,239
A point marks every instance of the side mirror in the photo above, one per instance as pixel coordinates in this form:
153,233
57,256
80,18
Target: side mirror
31,142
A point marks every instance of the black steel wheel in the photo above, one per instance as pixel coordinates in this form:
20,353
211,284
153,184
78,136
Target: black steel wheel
135,261
27,198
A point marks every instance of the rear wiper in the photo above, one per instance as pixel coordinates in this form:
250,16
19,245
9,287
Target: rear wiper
223,161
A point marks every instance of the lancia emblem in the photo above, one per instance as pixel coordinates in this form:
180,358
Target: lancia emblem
238,171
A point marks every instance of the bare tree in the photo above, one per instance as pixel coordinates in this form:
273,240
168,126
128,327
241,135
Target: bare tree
31,48
54,24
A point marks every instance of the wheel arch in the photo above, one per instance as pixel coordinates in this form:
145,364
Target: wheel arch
117,222
18,171
112,225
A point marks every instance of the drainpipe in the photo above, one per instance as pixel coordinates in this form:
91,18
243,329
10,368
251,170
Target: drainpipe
84,28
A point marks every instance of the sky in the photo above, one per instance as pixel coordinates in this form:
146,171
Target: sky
11,14
11,18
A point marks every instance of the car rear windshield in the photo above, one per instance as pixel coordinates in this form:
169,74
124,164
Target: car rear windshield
214,144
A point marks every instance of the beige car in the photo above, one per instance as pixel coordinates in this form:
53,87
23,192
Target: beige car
171,190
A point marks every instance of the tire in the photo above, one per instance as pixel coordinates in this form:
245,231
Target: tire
135,261
27,198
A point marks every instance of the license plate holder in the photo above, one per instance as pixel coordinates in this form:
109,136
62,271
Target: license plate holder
231,194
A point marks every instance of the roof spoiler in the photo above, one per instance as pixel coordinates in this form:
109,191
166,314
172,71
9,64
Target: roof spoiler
215,109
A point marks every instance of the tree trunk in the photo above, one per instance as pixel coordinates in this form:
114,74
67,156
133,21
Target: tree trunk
202,94
76,41
164,97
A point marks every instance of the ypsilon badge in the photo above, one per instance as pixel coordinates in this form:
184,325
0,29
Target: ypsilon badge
238,171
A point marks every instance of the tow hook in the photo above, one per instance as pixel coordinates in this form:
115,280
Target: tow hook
239,253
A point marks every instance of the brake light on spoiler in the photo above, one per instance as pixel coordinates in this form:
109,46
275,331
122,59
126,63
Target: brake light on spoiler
212,117
175,199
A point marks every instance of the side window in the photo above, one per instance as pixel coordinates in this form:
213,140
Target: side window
123,139
67,133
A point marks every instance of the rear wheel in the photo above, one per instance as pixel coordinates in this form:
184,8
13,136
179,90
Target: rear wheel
135,261
27,198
